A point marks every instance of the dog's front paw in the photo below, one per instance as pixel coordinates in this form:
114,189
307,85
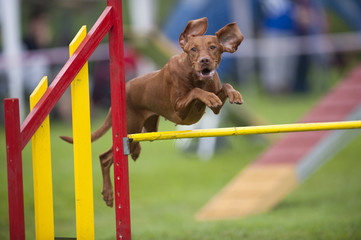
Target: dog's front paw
108,196
212,100
235,97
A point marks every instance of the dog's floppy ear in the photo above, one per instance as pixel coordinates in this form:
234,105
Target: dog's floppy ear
230,37
194,28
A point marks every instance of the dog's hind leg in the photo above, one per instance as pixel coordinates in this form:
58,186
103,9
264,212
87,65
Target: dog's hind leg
151,124
106,161
135,149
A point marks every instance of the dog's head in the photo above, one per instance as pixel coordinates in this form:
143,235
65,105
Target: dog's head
204,51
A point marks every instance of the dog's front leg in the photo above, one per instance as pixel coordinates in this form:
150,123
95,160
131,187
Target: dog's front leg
106,161
184,103
233,95
227,91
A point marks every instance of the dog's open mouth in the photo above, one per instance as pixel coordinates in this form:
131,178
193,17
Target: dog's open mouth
206,73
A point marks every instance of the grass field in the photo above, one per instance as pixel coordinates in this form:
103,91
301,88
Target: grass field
168,187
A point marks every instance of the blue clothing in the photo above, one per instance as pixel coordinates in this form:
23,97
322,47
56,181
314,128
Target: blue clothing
277,14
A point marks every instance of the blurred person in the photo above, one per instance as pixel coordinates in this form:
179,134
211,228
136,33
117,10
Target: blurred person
350,12
100,92
38,36
38,33
277,65
310,19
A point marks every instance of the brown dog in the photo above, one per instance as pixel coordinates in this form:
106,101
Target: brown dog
179,92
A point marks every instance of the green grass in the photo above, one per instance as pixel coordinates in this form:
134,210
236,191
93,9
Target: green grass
168,187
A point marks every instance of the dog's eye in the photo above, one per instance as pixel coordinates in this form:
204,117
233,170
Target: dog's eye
212,47
194,49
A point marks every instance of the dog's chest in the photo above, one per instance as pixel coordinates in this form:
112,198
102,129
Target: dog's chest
195,113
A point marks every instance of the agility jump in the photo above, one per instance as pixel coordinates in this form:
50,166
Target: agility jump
18,135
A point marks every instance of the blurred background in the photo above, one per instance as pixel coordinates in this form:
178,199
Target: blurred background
290,47
294,51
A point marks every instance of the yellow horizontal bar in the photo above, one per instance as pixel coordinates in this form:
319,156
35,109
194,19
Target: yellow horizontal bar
218,132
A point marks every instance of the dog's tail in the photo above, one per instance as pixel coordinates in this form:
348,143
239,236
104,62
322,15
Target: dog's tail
67,139
97,133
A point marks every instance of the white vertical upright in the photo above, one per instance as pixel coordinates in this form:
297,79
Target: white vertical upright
10,25
142,15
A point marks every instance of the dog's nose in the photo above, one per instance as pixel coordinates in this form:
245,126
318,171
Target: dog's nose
204,60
